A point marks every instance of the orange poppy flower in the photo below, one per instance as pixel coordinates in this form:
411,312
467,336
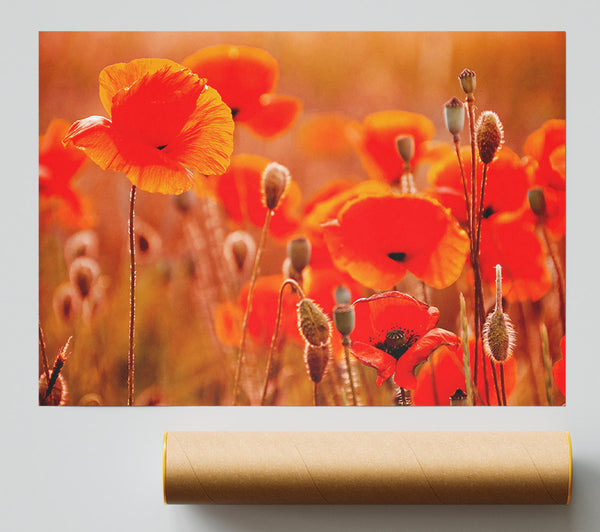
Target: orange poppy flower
165,126
558,370
58,166
378,239
545,149
239,189
395,333
263,315
443,374
246,79
375,142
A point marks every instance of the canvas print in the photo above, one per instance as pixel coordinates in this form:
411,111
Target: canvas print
302,218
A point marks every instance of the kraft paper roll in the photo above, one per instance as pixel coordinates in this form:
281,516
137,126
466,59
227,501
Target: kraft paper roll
367,467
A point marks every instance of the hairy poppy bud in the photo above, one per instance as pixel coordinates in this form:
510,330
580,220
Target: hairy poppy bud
454,114
298,251
344,319
82,273
537,201
405,145
468,81
316,359
490,135
342,295
275,179
313,323
498,331
239,249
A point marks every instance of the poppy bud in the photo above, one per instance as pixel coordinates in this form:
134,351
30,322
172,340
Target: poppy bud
82,273
58,394
298,251
81,244
454,114
405,145
184,202
458,398
468,81
490,135
316,359
344,319
289,272
239,249
342,295
537,201
313,323
498,331
275,179
66,302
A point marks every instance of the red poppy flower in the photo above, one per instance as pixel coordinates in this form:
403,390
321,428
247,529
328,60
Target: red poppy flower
325,206
505,189
511,241
558,370
246,79
443,374
58,166
239,189
394,333
166,126
375,142
378,239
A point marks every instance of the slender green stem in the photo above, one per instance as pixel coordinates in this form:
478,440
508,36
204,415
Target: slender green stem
346,344
276,334
547,362
466,354
464,184
502,384
315,402
238,370
130,357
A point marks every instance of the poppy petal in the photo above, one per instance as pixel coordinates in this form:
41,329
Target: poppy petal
384,364
273,115
419,352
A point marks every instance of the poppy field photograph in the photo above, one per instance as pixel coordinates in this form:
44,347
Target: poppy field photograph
302,218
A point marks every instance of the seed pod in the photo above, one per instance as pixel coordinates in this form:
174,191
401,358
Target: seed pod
468,81
185,201
342,295
82,273
537,201
298,251
454,114
275,180
316,359
405,145
458,398
344,319
490,135
313,323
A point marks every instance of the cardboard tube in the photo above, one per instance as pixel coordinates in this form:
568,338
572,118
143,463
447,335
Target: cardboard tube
367,467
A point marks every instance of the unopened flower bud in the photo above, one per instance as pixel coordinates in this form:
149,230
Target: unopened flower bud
239,250
184,202
289,272
81,244
490,135
58,394
468,81
316,359
458,398
344,319
342,295
454,114
298,251
498,331
313,323
405,145
537,201
82,273
275,180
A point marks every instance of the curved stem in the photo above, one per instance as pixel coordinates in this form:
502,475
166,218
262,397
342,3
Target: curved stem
130,357
276,334
346,344
238,370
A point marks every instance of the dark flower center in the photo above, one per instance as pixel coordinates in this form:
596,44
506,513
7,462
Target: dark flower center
397,256
488,211
144,244
161,147
396,342
234,112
